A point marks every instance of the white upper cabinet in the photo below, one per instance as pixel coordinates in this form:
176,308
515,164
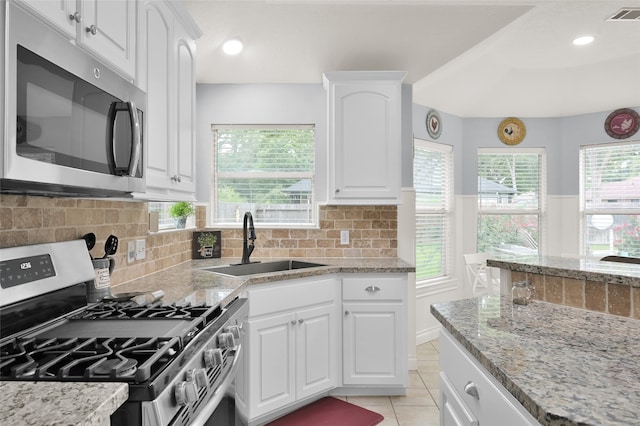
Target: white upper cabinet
364,131
107,28
166,71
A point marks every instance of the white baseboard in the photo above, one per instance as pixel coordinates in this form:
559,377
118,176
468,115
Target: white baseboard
427,335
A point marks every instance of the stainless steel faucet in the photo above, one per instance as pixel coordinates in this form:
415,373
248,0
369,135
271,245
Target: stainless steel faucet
247,248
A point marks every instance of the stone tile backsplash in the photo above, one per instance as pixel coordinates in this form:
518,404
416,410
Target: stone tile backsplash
614,299
28,220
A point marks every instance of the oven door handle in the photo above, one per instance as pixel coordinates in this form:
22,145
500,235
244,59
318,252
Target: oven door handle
220,392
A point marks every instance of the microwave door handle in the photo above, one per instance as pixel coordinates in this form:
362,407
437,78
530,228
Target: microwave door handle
136,138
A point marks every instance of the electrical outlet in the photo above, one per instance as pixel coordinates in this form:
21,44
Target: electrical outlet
131,251
141,248
344,237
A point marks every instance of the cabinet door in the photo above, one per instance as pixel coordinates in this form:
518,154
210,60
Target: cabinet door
156,21
367,143
373,345
316,350
364,131
60,13
453,412
271,363
490,402
185,103
108,28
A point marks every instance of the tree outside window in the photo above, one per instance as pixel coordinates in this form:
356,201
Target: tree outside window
610,199
433,180
510,201
266,170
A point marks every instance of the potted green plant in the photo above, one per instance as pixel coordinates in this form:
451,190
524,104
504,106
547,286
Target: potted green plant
207,240
180,211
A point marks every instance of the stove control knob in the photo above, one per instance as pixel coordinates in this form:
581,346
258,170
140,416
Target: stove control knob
212,357
198,376
235,330
226,340
186,393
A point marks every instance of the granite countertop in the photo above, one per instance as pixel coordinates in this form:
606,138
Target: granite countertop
568,267
190,281
77,403
57,403
566,366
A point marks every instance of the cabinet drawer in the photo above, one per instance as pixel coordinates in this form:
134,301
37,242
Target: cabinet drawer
374,288
492,403
291,295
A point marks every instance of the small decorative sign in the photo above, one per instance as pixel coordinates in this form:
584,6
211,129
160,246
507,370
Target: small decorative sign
511,131
434,124
622,123
206,244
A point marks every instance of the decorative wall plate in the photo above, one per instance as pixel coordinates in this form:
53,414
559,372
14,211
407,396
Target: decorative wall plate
434,124
512,131
622,123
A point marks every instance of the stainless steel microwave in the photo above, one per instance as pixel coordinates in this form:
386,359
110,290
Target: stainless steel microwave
73,126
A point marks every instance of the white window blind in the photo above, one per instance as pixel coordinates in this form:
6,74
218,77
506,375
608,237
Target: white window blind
433,181
610,199
267,170
511,190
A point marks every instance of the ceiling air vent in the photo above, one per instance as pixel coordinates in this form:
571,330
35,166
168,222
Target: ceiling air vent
626,14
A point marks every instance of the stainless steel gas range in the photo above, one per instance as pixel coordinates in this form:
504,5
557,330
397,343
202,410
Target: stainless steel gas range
178,360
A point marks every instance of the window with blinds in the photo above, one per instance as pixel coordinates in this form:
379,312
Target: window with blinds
433,181
511,190
610,199
265,170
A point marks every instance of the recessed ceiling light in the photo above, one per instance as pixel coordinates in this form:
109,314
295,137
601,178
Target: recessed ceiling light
232,47
581,41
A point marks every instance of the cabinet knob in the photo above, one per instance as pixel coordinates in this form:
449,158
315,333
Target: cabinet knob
176,178
346,312
471,389
337,190
92,29
300,321
76,17
293,322
372,289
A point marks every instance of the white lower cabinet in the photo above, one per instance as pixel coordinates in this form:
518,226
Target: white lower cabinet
470,396
374,330
293,344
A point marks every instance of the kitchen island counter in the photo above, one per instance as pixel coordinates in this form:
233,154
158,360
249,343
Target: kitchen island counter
57,403
575,268
566,366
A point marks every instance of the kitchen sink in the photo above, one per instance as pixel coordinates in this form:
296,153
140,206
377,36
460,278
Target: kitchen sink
262,267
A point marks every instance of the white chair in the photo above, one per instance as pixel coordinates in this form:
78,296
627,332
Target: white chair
482,278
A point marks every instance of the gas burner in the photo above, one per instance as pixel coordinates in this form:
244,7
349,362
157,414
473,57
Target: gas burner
131,310
126,359
119,367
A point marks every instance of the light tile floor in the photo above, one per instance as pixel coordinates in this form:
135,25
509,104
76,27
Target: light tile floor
421,405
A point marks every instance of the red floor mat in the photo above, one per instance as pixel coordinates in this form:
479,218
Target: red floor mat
329,412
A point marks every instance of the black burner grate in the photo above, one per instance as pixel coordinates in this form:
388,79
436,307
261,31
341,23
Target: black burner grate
131,310
86,359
